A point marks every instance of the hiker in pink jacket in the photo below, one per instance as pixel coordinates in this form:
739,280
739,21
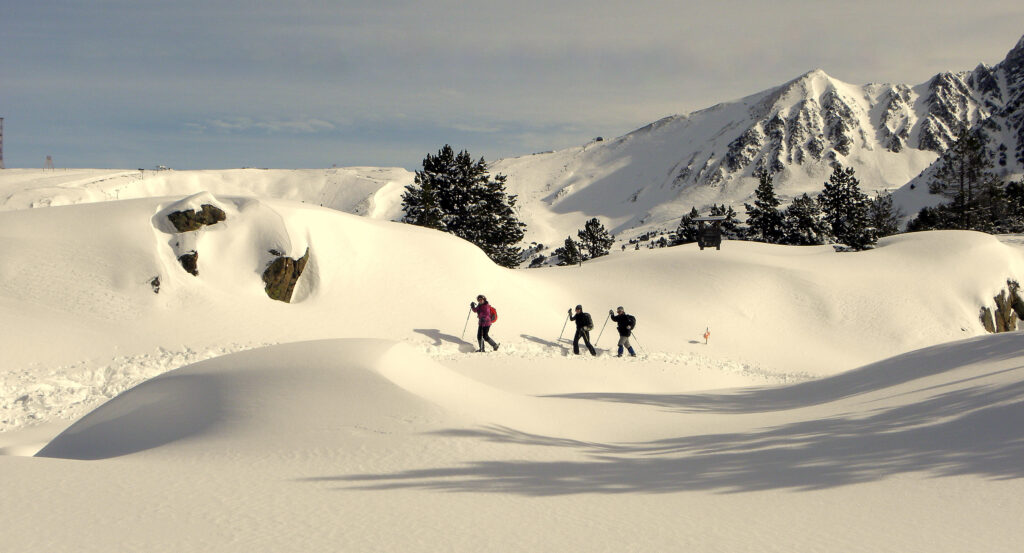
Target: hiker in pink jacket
484,314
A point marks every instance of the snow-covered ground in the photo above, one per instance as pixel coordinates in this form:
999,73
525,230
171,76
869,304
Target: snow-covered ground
844,401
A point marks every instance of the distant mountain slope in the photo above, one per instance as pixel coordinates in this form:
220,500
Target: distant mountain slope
371,191
645,180
889,133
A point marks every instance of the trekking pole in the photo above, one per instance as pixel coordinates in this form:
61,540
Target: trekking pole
602,330
642,350
465,326
563,328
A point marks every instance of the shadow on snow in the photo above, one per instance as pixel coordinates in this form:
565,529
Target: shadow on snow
966,425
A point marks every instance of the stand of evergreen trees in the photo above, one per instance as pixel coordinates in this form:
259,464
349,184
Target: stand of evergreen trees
594,241
455,194
841,213
977,199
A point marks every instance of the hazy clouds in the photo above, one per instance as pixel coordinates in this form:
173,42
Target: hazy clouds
217,83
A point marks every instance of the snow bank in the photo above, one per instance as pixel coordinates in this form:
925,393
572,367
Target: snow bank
356,418
371,191
80,282
368,445
280,399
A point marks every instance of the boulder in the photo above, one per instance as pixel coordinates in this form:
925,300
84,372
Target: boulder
986,319
1015,300
282,274
1006,319
190,262
188,220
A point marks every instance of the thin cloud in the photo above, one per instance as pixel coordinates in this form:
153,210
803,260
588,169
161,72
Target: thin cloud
246,125
501,78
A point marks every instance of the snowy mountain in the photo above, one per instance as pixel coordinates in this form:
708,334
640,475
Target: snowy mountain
645,180
784,398
373,192
889,133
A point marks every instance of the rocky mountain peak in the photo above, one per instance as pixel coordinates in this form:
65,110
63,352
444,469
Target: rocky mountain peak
888,132
1017,53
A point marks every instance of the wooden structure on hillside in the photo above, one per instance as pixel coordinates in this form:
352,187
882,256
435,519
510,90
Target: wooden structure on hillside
709,231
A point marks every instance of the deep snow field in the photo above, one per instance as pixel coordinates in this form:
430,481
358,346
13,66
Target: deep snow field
844,401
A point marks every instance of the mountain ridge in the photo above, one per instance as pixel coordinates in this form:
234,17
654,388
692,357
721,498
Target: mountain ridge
889,133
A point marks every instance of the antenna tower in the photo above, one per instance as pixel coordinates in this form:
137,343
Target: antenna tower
1,142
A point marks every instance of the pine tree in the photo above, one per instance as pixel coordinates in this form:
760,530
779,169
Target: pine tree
764,218
845,209
883,215
803,223
993,208
687,230
457,195
731,227
933,218
428,209
963,172
1015,206
569,253
595,239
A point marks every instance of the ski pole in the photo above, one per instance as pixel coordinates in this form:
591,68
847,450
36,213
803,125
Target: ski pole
563,328
642,350
465,326
602,330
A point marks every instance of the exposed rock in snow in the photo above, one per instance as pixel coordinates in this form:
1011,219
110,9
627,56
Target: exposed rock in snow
282,275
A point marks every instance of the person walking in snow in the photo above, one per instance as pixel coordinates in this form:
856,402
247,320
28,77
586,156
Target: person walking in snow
625,324
584,324
485,318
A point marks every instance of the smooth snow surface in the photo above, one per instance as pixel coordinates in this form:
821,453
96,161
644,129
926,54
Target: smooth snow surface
844,401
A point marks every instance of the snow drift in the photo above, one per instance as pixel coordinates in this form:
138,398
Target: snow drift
355,418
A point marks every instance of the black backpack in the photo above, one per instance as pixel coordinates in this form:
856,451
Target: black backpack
630,321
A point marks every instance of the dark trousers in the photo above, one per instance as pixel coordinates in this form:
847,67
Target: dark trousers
585,334
482,336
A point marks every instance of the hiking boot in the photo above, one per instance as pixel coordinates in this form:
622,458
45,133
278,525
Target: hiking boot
496,346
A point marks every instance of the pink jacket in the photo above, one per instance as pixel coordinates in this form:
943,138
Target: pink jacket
483,312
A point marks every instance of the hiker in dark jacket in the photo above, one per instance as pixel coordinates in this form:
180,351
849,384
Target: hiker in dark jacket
584,324
625,324
483,313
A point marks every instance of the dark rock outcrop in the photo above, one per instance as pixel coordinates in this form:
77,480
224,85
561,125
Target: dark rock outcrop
188,220
1015,300
986,319
1006,320
1009,310
190,262
282,274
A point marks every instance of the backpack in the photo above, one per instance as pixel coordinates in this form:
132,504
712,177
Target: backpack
631,321
494,314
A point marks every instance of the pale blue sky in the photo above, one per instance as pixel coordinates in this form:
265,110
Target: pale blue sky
230,83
